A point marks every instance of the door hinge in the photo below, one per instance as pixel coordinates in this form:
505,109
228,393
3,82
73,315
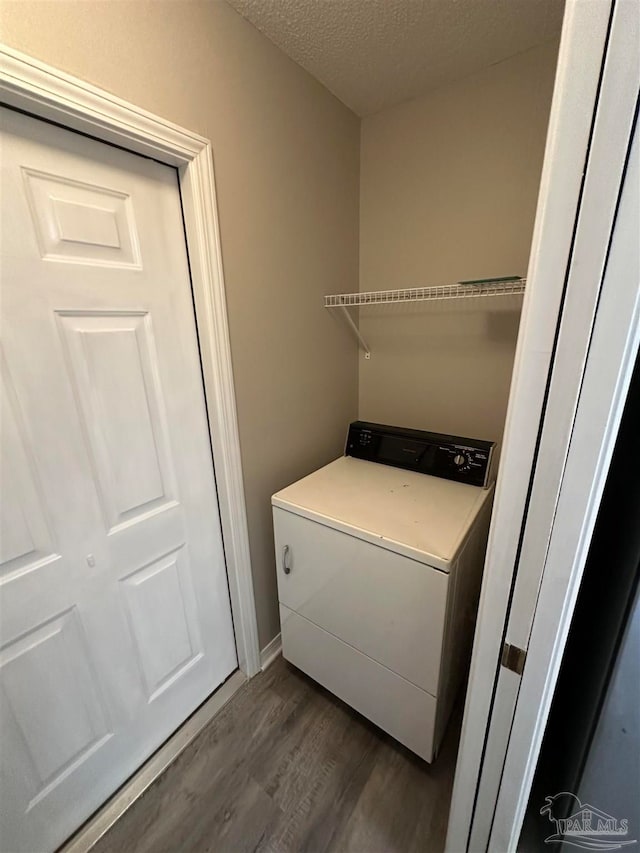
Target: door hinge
513,658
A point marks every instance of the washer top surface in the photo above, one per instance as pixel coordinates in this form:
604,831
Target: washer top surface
423,517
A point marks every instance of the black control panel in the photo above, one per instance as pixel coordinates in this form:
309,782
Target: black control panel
466,460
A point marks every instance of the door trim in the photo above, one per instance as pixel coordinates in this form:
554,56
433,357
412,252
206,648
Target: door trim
613,351
50,94
582,46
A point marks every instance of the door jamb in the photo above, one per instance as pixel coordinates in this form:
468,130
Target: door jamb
613,351
582,45
50,94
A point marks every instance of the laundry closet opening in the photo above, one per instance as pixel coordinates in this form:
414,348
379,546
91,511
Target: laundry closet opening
380,552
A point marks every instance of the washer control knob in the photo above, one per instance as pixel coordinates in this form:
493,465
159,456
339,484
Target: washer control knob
459,459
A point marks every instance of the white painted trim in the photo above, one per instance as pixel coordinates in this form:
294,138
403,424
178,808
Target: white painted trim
45,92
612,355
581,50
114,808
271,651
604,173
603,176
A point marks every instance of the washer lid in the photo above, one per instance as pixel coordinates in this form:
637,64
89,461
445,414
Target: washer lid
422,517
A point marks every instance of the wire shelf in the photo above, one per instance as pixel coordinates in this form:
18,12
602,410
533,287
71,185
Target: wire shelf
460,290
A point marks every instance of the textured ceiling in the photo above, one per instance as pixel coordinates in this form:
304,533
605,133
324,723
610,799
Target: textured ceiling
375,53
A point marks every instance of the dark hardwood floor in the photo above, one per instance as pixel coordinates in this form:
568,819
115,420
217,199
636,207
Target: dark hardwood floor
286,767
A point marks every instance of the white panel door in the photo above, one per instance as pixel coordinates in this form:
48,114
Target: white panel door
115,615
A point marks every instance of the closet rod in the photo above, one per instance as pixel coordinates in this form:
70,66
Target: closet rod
460,290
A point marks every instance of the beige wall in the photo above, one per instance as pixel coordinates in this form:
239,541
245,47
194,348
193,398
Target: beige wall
286,160
448,189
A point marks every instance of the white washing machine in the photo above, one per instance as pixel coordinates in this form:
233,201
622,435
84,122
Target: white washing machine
379,564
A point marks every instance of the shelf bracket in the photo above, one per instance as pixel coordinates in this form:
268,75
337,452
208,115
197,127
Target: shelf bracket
356,331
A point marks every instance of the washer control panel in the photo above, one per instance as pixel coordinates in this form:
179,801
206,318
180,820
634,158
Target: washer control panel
453,457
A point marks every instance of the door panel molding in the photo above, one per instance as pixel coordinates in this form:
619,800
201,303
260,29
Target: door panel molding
50,94
135,478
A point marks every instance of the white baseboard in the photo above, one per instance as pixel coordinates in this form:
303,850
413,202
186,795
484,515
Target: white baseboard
270,652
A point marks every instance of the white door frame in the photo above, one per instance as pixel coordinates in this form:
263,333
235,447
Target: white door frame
50,94
605,166
583,42
585,298
612,355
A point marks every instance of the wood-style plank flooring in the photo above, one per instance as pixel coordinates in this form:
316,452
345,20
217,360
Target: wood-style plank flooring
285,767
